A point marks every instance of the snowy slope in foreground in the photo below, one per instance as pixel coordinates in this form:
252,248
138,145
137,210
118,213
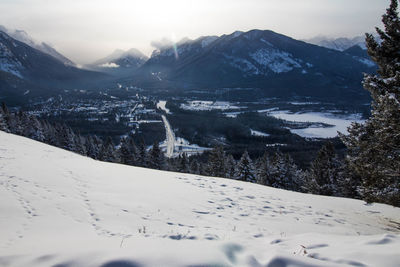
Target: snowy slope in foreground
58,208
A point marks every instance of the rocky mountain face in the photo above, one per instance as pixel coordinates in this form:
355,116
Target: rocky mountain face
278,64
25,70
22,36
120,63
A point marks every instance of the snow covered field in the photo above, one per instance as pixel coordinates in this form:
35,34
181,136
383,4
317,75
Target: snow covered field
200,105
339,123
61,209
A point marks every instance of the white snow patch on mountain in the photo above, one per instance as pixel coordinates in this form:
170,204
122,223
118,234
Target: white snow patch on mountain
8,62
365,61
61,209
258,133
266,42
208,40
242,64
109,65
237,34
276,60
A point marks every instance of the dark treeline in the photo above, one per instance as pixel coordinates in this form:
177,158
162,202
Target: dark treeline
327,175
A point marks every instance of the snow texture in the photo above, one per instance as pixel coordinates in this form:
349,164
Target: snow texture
8,62
109,65
339,124
276,60
243,65
200,105
258,133
61,209
365,61
208,40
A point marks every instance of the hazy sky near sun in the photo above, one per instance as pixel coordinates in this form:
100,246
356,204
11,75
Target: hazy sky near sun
86,30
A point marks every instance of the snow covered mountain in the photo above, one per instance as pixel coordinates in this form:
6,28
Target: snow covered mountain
26,69
22,36
61,209
256,59
120,62
339,44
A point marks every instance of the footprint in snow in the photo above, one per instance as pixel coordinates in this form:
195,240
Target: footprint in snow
201,212
317,246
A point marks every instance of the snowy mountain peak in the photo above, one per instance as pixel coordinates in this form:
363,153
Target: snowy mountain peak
339,44
120,63
206,41
24,37
236,34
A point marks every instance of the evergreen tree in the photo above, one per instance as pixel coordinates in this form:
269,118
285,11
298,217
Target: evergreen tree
325,172
127,151
194,166
50,134
91,147
230,166
66,137
216,163
4,117
374,147
183,163
107,151
142,155
155,157
97,146
284,173
245,169
80,145
263,170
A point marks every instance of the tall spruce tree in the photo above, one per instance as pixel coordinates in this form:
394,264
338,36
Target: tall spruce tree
374,147
107,151
142,155
216,162
155,157
263,170
284,173
127,151
230,166
4,117
183,163
194,166
245,169
325,173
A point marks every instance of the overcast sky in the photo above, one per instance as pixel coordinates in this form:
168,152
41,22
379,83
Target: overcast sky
86,30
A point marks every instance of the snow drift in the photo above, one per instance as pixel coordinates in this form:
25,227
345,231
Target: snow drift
61,209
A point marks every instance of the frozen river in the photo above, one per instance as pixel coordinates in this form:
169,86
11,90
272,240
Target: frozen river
339,123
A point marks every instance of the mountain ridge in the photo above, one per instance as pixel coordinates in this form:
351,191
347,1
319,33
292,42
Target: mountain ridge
119,63
255,59
24,37
23,66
